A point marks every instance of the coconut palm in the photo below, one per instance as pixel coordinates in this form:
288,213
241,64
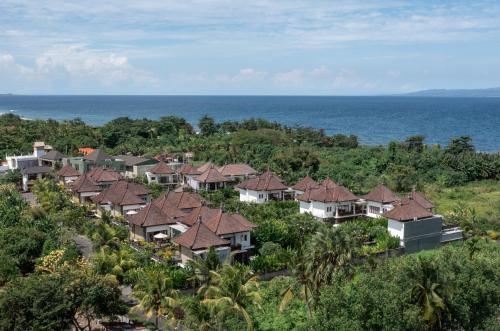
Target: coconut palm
156,294
329,253
304,278
428,291
202,266
233,289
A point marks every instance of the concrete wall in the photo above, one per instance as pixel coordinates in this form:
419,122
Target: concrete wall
417,235
239,239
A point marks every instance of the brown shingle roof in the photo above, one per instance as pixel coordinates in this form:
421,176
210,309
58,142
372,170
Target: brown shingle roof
202,212
199,237
122,193
181,200
421,200
337,193
305,183
132,160
211,175
407,210
328,183
98,155
84,184
237,169
99,175
382,194
204,167
68,171
53,155
226,223
162,168
187,169
152,215
268,181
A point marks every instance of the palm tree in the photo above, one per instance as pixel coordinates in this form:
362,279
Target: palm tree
199,316
156,294
304,277
330,253
233,289
202,266
428,291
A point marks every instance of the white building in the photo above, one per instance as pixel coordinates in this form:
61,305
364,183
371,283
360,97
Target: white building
330,201
164,175
27,161
209,180
379,200
261,189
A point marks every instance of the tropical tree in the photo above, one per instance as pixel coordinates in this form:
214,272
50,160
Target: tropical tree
329,254
156,294
201,267
234,288
428,291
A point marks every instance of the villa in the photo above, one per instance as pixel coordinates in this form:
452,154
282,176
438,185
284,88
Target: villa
186,172
52,159
84,188
122,198
237,171
30,174
104,178
380,200
97,158
196,241
422,200
210,179
163,174
28,161
329,201
136,166
302,185
263,188
68,174
182,200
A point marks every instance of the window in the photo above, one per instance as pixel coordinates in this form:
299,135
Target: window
246,237
374,210
261,196
328,209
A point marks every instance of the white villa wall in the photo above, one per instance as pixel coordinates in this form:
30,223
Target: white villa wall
253,196
382,207
239,239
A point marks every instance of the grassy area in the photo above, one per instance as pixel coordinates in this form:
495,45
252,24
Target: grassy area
482,196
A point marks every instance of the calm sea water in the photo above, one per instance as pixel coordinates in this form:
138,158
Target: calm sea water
375,120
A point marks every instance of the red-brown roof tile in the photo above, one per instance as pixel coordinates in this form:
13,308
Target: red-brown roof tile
268,181
305,183
84,184
200,237
122,193
100,175
68,171
237,169
161,168
211,175
382,194
421,200
407,210
337,193
152,215
181,200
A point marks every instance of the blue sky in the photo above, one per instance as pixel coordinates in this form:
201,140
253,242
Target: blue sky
296,47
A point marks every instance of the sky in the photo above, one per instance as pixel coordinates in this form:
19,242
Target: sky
258,47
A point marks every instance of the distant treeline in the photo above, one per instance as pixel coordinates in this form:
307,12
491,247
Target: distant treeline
292,152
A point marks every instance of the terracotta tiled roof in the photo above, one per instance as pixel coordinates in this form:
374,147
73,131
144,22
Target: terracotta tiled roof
337,193
211,175
162,168
204,167
268,181
122,193
53,155
421,200
187,169
305,183
180,200
99,175
407,210
151,215
226,223
237,169
84,184
328,183
200,237
68,171
202,212
98,155
382,194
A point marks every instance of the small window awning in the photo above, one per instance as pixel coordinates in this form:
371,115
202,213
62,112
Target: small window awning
179,227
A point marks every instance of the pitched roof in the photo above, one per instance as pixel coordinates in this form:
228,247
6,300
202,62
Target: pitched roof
382,194
211,175
131,160
199,237
122,193
180,200
421,200
228,223
151,215
188,169
305,183
84,184
99,174
407,210
328,182
53,155
162,168
268,181
204,167
98,155
201,212
337,193
237,169
68,171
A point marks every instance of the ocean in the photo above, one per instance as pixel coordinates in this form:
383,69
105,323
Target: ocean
375,120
